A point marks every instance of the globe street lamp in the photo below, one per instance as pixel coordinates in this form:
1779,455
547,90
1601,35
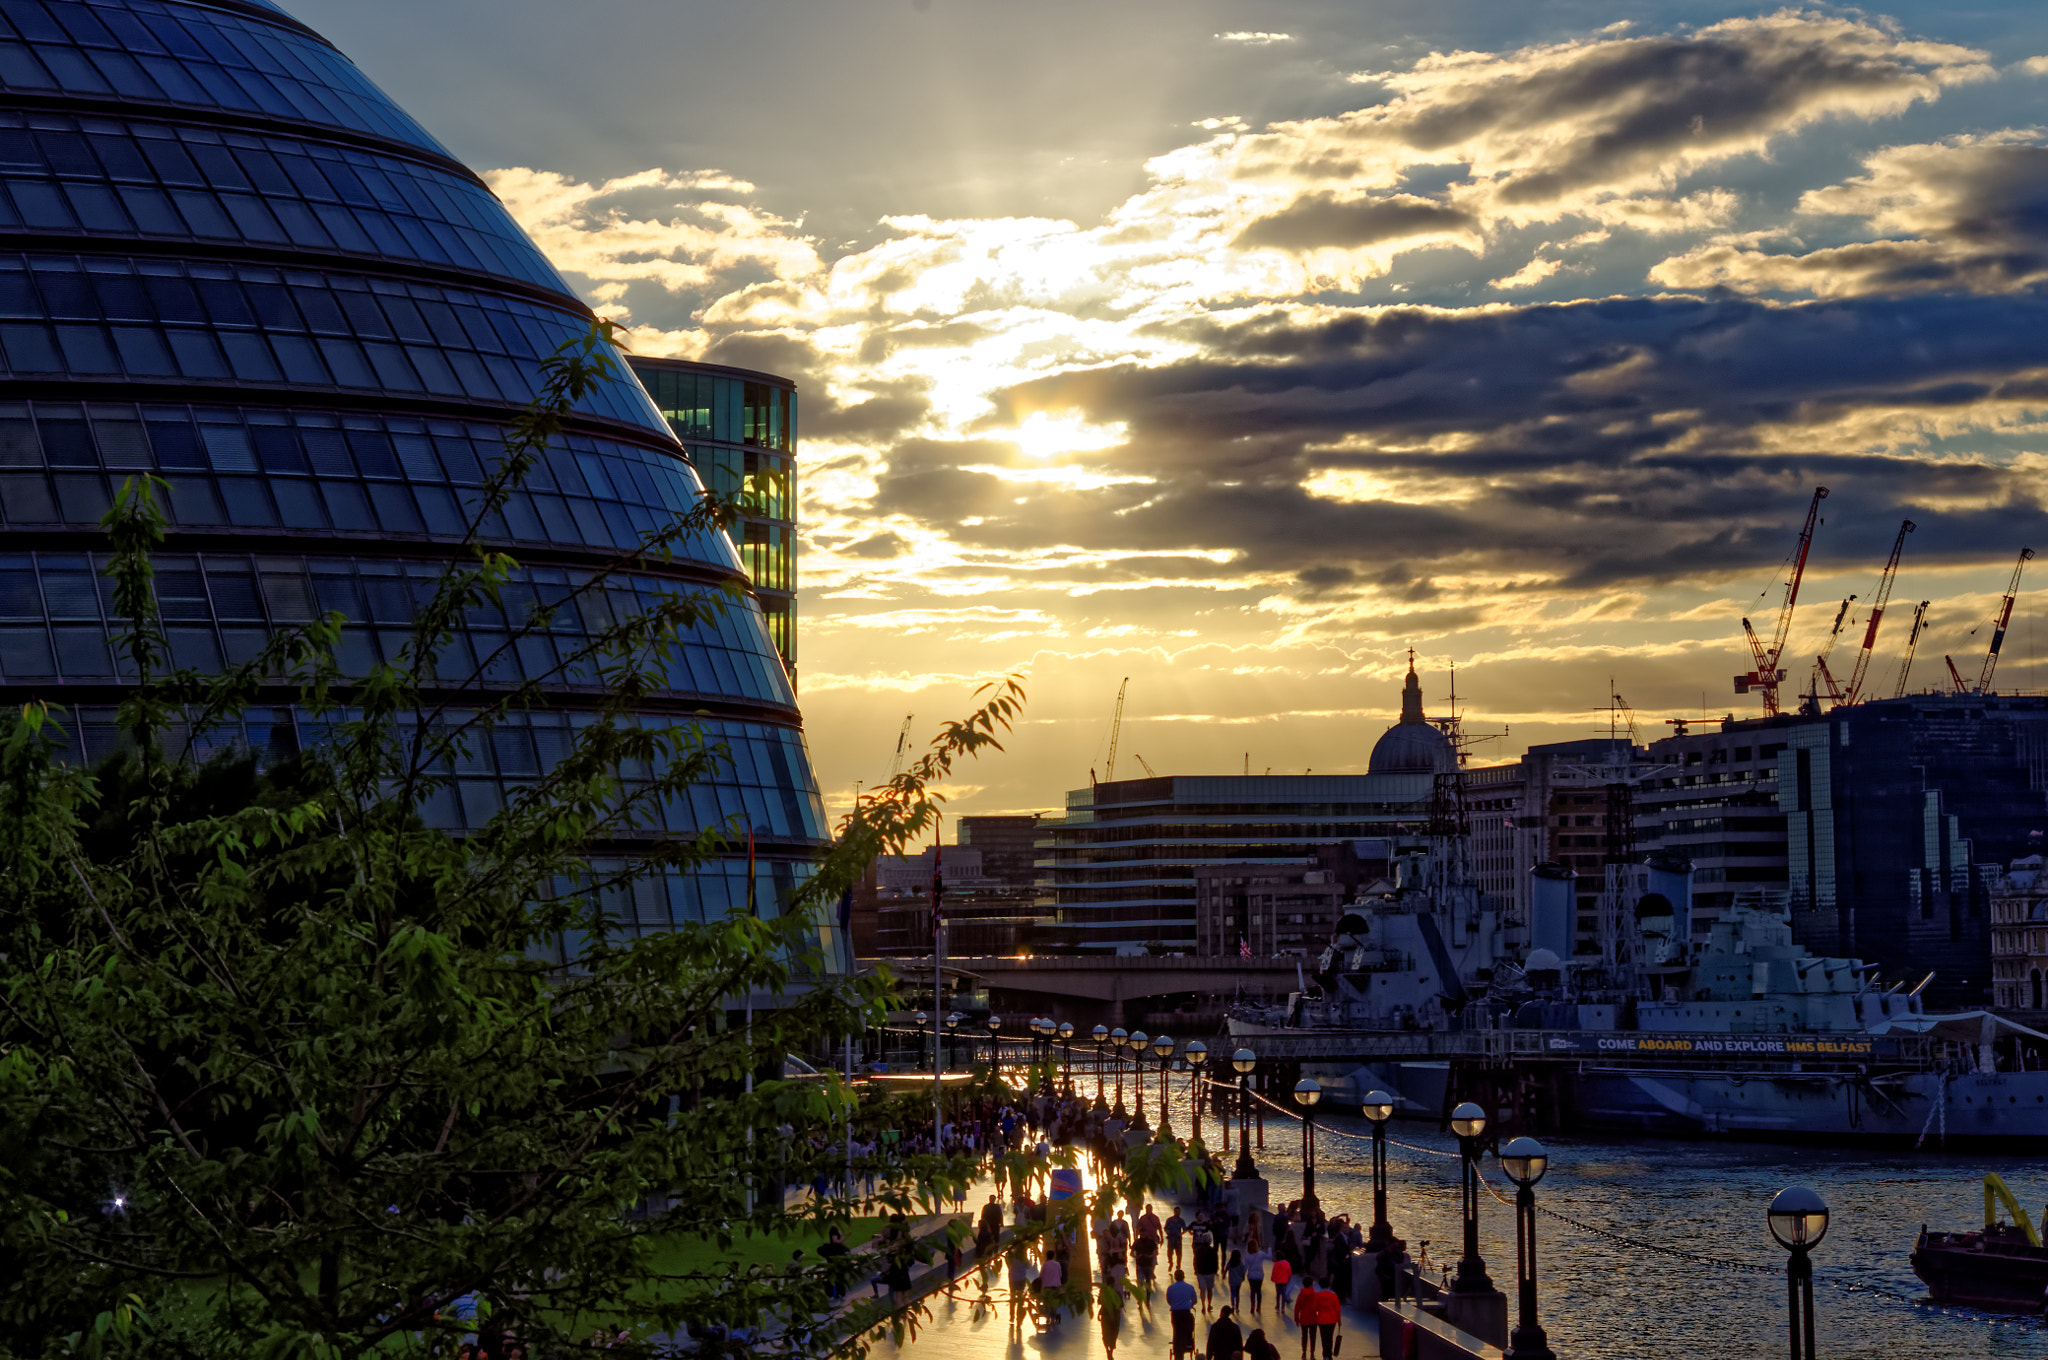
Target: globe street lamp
1196,1053
953,1019
1163,1046
1244,1060
1067,1042
1139,1042
1379,1108
1306,1093
1799,1220
1118,1037
1468,1121
1525,1160
1101,1036
995,1022
918,1018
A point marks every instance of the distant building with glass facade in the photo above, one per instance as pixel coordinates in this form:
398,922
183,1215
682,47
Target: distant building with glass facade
737,423
227,258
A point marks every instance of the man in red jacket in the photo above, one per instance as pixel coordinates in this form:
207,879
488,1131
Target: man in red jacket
1305,1310
1329,1312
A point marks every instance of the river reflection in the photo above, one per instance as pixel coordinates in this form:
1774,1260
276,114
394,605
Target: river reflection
1603,1300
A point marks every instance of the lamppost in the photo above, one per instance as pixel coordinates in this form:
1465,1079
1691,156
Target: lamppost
1037,1050
995,1054
1139,1042
918,1018
1196,1053
1100,1034
1244,1060
1163,1046
1067,1043
1306,1093
953,1019
1525,1160
1468,1121
1799,1220
1118,1037
1379,1108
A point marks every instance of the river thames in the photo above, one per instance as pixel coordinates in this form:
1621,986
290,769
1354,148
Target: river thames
1606,1300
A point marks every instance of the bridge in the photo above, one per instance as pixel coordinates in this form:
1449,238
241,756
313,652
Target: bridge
1105,982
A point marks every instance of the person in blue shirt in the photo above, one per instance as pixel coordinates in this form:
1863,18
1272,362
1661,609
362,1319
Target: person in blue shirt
1180,1304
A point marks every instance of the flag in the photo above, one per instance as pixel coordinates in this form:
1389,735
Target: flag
1244,947
1508,822
938,891
753,907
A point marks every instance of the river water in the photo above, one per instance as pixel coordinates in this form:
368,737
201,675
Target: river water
1602,1300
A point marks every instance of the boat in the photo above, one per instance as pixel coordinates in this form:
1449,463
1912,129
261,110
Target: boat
2004,1268
1744,1034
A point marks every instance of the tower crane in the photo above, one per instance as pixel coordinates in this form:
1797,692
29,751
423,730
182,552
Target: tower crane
1150,773
2012,589
1821,673
1768,673
1877,604
1955,674
1116,728
1912,643
902,745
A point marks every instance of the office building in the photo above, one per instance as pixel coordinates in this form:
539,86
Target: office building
738,425
229,259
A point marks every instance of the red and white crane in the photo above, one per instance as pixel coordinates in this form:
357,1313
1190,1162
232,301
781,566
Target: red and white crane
1877,604
2012,589
1768,673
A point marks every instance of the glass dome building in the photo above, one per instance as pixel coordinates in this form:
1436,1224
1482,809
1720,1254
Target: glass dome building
226,257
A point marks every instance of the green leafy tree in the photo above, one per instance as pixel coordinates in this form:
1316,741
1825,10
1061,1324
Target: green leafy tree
285,1071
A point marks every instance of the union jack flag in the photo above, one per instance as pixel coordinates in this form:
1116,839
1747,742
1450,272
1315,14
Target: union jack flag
1244,947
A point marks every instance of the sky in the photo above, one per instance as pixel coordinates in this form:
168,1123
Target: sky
1236,349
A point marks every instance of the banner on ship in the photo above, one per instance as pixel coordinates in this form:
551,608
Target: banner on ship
1717,1045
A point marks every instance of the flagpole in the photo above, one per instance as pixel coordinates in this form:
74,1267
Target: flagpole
938,1016
752,910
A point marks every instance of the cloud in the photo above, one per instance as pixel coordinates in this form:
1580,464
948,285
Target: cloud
1314,221
1969,213
1529,275
1255,39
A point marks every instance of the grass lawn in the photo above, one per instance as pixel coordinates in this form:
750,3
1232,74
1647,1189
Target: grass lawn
695,1254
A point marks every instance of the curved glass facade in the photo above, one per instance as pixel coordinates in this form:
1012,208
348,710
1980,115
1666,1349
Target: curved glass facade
737,423
229,259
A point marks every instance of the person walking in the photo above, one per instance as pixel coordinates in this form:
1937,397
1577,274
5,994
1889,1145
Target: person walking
1226,1339
1175,1226
1020,1287
1305,1315
1329,1313
1109,1312
1180,1308
1204,1252
1234,1272
1283,1275
1256,1262
1256,1347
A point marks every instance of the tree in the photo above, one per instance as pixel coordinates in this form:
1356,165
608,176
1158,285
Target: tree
285,1071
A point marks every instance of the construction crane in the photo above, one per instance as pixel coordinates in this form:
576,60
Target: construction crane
1823,676
1877,604
1912,644
2012,589
1150,773
1821,673
902,745
1955,675
1768,673
1116,728
1620,717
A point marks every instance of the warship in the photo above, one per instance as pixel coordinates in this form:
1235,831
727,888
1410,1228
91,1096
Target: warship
1742,1034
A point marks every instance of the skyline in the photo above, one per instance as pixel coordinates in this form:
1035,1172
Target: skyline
1349,330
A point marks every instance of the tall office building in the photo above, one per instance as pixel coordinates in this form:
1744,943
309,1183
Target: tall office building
227,258
736,424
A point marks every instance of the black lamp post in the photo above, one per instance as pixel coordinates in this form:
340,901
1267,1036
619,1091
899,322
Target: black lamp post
1163,1046
1799,1220
1139,1042
1468,1121
1067,1043
1379,1108
1525,1160
918,1018
995,1055
1100,1034
953,1019
1306,1093
1244,1060
1196,1053
1118,1037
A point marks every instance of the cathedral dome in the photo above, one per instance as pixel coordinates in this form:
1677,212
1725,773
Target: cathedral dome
1412,746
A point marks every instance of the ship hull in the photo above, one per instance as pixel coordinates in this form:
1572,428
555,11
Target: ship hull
1960,1269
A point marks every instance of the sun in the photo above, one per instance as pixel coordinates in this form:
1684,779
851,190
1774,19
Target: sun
1043,434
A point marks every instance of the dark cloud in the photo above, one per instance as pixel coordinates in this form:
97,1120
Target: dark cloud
881,545
1593,445
885,412
1317,220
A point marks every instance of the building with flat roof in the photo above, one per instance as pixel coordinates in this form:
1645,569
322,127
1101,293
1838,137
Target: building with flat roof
229,259
738,424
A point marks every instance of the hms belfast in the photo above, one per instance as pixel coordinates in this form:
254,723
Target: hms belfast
1777,927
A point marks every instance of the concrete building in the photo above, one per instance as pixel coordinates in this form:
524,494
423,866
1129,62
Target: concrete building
1008,845
1271,910
2019,940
